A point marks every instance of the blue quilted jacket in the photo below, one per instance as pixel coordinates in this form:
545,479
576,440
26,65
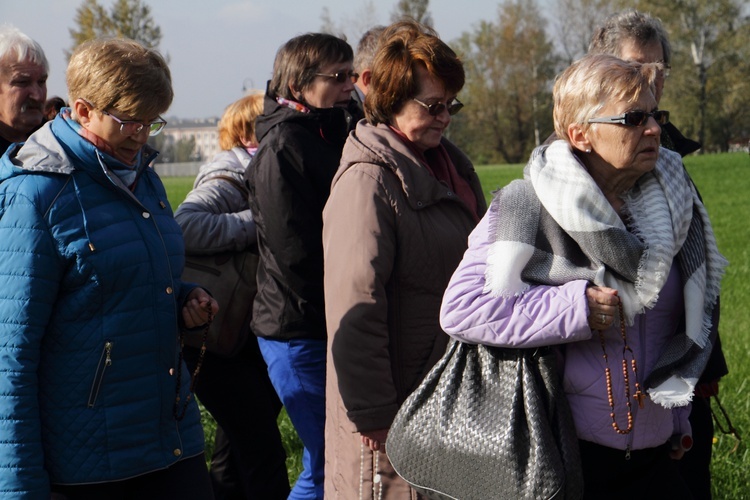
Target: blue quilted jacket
90,300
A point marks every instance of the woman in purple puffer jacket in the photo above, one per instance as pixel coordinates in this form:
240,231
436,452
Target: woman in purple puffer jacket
605,249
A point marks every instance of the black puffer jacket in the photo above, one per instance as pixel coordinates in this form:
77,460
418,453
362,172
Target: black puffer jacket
289,181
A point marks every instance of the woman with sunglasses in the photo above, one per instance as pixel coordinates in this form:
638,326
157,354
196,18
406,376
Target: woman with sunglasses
307,115
605,250
395,227
96,401
637,36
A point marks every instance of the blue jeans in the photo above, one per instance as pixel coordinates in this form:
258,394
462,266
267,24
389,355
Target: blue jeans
297,369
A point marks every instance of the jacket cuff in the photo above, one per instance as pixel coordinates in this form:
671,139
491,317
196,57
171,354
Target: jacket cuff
373,419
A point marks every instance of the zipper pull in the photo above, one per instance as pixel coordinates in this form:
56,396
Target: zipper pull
108,352
627,453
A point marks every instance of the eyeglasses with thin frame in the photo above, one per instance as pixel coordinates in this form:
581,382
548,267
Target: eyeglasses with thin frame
453,107
341,76
634,118
133,127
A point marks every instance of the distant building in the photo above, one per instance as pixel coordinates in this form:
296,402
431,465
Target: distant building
204,131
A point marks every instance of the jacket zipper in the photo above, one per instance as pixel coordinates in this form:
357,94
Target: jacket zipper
105,360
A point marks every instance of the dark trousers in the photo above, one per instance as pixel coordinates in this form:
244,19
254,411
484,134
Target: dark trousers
695,466
648,474
187,478
249,461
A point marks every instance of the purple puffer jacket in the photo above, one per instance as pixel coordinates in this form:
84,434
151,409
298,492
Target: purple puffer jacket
549,315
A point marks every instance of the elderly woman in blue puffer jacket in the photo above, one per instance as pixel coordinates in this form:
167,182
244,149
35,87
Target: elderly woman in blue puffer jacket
94,397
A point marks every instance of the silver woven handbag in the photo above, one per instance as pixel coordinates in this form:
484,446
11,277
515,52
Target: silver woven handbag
488,423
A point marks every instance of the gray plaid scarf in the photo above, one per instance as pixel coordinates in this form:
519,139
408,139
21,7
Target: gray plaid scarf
556,226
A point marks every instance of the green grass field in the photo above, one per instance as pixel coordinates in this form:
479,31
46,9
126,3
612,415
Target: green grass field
722,181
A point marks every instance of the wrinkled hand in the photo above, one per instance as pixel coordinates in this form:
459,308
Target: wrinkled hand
602,306
197,306
374,439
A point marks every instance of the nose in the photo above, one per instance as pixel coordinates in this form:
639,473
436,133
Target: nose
653,127
38,92
444,116
142,136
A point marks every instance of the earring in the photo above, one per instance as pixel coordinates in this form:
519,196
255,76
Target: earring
588,150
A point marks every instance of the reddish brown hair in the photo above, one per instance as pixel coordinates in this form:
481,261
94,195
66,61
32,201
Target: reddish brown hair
403,47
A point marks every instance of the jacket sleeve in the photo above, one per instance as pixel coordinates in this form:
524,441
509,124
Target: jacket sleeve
543,315
290,204
360,245
30,273
216,218
680,418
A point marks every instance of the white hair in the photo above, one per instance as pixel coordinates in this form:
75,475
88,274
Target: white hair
16,46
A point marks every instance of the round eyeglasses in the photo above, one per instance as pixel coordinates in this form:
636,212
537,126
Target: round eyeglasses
341,76
133,127
453,107
634,118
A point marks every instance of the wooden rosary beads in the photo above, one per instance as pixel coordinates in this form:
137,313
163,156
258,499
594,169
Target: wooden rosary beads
638,396
179,413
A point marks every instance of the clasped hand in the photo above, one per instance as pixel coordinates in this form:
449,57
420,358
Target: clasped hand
197,307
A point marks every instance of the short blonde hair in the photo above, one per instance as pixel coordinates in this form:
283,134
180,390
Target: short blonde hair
121,74
238,121
591,82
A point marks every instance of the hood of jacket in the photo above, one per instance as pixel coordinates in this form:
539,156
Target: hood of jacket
57,148
232,162
333,124
379,145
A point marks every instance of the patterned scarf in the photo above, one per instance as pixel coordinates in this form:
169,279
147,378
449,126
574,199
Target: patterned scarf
556,226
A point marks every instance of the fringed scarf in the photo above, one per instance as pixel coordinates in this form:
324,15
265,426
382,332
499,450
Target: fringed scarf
556,226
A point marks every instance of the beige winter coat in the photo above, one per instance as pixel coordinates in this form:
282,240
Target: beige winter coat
392,237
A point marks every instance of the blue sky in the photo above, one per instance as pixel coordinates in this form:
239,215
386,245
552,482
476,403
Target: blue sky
218,46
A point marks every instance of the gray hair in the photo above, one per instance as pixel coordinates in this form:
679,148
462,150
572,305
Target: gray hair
629,25
366,48
15,47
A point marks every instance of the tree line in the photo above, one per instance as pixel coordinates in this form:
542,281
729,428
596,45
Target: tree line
511,62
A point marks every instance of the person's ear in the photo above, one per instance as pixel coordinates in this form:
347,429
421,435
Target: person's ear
83,111
578,137
366,78
296,92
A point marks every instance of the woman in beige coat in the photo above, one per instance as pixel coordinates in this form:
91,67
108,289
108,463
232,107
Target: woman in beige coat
402,205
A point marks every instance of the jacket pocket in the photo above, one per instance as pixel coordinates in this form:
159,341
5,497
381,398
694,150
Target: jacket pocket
105,361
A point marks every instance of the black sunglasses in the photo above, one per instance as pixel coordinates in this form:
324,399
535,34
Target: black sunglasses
453,107
341,76
634,118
